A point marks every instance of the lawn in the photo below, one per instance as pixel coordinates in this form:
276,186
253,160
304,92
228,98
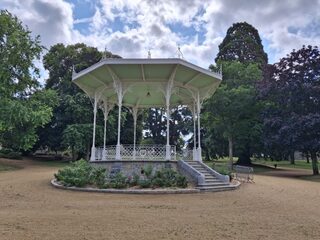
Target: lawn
260,166
6,167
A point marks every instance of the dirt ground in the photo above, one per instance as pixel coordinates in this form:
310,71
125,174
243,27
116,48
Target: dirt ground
271,208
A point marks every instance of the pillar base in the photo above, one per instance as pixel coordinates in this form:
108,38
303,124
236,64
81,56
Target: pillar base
199,155
104,154
168,152
93,154
118,154
134,154
195,154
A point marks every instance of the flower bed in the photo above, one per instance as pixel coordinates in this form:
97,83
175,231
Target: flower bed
81,174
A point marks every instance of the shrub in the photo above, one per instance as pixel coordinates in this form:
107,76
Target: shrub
144,183
78,174
117,181
181,181
133,180
158,182
8,153
147,170
98,176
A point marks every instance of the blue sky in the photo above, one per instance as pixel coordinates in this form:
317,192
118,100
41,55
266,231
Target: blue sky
130,28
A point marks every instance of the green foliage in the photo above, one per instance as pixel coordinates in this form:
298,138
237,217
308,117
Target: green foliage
8,153
80,174
242,43
147,170
233,112
24,108
79,136
98,177
145,183
18,51
180,124
167,177
117,181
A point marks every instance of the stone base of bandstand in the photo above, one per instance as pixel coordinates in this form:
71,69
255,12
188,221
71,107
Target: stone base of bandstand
136,167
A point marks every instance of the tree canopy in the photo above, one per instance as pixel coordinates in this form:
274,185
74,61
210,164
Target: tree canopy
242,43
24,106
292,118
233,112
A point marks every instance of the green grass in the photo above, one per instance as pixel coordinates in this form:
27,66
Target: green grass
259,166
51,163
4,167
299,164
311,178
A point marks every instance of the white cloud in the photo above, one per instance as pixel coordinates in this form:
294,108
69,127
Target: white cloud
147,24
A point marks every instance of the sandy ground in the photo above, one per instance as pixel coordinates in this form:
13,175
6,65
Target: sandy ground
270,208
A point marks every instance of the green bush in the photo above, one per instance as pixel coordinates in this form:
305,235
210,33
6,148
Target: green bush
133,180
98,177
144,183
181,181
81,173
5,150
165,177
8,153
147,171
117,181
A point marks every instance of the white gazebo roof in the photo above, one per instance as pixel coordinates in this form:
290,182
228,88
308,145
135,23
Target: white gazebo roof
144,82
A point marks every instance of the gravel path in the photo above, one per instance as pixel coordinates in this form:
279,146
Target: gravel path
270,208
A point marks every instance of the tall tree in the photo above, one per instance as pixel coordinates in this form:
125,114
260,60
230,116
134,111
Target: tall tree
242,43
74,113
180,123
233,112
293,94
24,107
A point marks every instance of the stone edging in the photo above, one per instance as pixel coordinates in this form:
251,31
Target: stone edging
127,191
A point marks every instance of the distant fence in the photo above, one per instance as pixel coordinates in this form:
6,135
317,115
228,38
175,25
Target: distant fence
243,173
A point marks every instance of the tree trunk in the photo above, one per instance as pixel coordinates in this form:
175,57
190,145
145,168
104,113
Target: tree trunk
292,157
230,152
314,160
244,156
73,153
307,156
88,152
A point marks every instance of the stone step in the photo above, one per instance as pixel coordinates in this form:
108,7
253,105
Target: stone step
212,180
209,176
213,184
216,189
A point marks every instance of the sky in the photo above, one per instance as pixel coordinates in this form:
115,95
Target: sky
130,28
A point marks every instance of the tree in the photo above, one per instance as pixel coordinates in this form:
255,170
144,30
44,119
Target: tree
24,107
75,109
242,43
293,94
233,111
180,125
79,137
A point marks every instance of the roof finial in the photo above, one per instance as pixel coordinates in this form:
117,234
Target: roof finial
149,54
73,71
104,54
180,54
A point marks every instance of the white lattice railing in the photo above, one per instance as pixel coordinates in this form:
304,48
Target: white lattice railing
186,155
140,153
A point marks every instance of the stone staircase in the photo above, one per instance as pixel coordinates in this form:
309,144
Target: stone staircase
212,183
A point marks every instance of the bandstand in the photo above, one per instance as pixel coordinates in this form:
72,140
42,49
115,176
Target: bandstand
145,83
